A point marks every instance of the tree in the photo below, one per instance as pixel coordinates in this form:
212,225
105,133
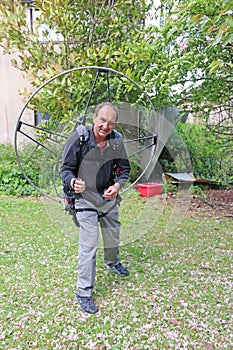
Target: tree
94,32
186,61
197,35
196,41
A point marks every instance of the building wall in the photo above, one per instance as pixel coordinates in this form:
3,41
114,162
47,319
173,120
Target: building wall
11,80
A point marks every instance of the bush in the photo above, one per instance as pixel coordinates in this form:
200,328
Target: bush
12,181
210,158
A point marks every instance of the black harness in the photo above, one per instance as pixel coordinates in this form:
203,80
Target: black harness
68,192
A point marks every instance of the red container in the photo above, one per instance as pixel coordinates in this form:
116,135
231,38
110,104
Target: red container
150,189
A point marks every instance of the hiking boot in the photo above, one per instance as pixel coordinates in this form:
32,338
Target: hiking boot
87,304
119,269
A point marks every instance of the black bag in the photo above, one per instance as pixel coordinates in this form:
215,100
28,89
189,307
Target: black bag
68,192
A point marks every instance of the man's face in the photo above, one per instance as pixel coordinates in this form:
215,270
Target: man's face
104,122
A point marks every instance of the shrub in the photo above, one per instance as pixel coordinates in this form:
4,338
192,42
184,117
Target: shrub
210,158
12,181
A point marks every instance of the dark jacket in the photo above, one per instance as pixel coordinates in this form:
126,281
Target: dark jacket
82,158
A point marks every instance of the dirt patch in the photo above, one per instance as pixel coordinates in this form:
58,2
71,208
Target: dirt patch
213,203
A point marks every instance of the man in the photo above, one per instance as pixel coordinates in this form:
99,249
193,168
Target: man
88,165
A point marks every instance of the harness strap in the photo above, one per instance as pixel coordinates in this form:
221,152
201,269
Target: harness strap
80,210
86,209
90,209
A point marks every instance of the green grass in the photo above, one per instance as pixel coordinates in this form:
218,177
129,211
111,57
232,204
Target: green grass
178,294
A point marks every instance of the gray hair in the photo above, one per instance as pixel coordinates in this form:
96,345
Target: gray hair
102,104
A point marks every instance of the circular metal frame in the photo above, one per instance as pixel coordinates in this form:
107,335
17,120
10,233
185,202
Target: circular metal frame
103,69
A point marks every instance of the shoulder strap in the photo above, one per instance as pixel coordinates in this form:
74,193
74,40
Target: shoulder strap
83,134
116,134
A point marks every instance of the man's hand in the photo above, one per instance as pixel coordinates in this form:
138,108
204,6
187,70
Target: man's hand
111,192
78,185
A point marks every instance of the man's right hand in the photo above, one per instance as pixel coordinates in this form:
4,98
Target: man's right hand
78,185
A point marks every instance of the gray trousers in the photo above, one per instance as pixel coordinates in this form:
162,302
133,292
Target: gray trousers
90,222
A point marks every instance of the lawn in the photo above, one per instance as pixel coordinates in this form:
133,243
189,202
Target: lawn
178,294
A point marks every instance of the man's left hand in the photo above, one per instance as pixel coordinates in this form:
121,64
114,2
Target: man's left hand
111,192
